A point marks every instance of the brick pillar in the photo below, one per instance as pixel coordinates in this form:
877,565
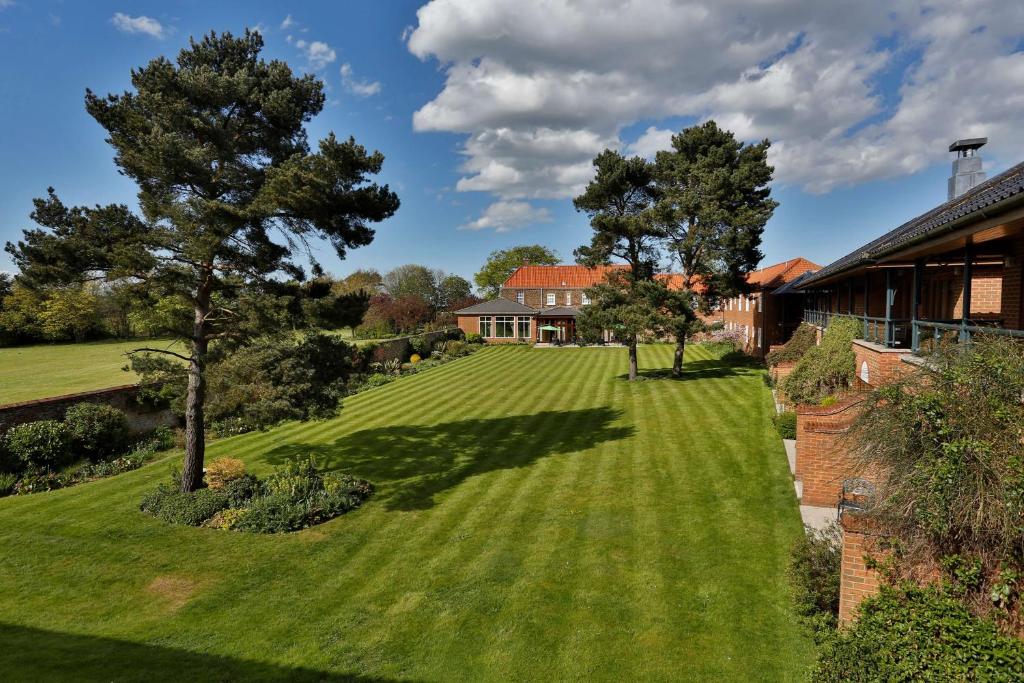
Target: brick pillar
822,451
857,580
779,373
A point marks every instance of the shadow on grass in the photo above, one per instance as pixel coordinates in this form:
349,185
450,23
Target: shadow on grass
31,654
729,365
410,464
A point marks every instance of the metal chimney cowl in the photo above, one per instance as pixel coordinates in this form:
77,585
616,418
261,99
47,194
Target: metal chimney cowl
967,171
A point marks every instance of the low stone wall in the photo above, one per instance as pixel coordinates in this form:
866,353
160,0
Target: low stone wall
400,347
142,418
857,581
822,451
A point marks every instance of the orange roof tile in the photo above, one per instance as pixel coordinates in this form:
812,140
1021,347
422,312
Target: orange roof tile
571,277
781,273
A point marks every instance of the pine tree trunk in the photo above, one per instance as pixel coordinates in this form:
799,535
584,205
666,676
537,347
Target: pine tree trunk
632,361
677,359
195,431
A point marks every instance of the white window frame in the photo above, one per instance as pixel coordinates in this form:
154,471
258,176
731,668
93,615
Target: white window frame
746,302
550,299
520,297
502,320
584,299
568,298
759,337
522,333
486,326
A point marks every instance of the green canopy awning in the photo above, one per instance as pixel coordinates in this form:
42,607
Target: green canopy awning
549,328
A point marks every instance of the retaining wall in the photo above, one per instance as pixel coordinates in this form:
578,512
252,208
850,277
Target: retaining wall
142,418
822,451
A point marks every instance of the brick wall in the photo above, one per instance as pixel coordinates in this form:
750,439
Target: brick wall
779,373
878,364
538,298
400,348
857,581
822,450
142,418
746,314
1010,293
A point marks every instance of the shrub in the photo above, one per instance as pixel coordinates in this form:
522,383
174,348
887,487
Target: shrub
36,481
7,482
814,570
163,438
223,470
454,348
914,633
415,358
825,369
241,490
474,338
41,445
226,519
785,424
421,346
804,338
174,507
96,431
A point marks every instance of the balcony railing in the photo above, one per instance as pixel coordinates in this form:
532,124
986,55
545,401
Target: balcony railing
914,334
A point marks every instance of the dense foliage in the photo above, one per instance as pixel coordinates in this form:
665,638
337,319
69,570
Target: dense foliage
294,497
500,264
814,570
41,445
785,424
96,431
919,634
827,369
804,338
947,443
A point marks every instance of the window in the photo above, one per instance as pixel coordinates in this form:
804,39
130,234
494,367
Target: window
523,328
759,337
757,300
746,302
551,299
503,326
485,326
568,298
520,297
585,300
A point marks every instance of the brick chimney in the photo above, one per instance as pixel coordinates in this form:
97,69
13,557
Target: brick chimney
966,167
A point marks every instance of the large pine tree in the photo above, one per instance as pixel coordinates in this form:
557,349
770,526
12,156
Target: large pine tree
231,196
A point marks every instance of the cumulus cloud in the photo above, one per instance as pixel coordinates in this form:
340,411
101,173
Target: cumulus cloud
318,53
503,216
287,23
846,91
356,86
140,24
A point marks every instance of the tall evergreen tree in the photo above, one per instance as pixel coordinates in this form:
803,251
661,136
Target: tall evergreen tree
714,201
216,142
619,201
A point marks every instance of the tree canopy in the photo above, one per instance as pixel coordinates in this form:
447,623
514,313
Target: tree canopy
231,197
501,263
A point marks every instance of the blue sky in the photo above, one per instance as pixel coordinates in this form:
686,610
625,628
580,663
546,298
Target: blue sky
487,115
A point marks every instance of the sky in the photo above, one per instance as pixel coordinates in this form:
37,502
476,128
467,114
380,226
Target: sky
489,113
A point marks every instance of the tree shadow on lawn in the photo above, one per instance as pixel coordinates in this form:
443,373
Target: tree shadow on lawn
38,655
410,464
730,365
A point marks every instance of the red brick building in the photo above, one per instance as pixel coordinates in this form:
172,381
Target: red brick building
769,313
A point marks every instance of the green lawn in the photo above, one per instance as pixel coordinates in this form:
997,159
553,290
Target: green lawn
44,370
537,518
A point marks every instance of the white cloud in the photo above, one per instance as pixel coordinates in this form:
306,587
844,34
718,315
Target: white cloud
318,53
356,86
504,216
846,91
4,4
140,24
287,23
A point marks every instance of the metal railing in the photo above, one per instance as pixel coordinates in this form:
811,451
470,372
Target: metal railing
888,332
934,331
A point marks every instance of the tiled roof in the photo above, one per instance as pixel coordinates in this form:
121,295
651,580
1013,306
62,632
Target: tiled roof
571,276
558,312
1003,186
496,307
781,273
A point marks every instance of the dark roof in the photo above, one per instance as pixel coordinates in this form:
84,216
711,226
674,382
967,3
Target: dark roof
496,307
793,285
558,312
1008,184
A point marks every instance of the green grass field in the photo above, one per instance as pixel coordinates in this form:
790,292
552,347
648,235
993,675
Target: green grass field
537,518
44,370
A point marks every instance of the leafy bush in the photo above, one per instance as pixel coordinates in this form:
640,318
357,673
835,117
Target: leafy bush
174,507
226,519
814,570
223,470
919,634
785,424
108,468
421,346
379,329
241,490
7,482
455,348
163,438
41,445
474,338
947,443
804,338
826,369
96,431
